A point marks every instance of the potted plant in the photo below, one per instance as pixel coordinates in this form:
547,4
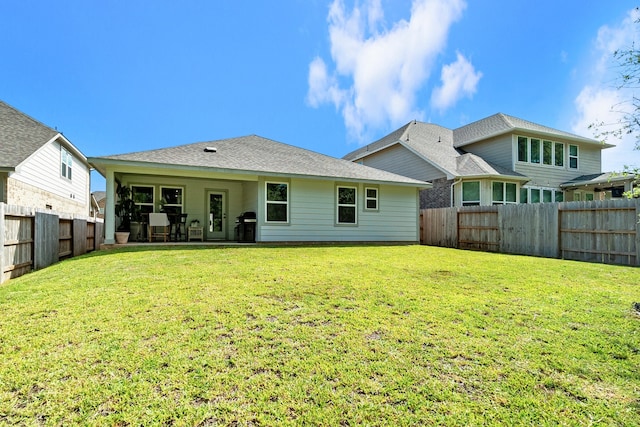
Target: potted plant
127,211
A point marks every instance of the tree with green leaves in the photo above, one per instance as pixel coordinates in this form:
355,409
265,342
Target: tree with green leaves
627,63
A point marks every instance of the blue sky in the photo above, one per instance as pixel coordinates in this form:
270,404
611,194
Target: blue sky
326,75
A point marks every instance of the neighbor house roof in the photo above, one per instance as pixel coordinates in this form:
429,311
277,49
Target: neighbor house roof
599,178
255,155
435,145
500,123
21,136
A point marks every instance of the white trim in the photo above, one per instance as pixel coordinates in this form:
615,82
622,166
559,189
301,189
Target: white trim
276,202
347,205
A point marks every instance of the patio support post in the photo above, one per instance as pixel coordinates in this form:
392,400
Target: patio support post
110,210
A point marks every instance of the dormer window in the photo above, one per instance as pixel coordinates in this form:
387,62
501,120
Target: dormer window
66,163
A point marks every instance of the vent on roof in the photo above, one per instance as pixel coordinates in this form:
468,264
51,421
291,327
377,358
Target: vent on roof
210,149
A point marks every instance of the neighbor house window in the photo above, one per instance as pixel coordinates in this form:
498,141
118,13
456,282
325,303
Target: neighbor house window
143,197
573,156
371,199
277,199
523,149
540,195
535,195
171,199
524,195
547,152
550,153
559,154
471,193
503,192
66,160
535,150
347,205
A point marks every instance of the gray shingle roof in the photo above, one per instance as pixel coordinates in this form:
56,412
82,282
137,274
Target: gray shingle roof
500,123
20,136
599,178
254,154
435,144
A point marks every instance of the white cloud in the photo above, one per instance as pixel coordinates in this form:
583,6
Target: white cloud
459,79
379,69
601,102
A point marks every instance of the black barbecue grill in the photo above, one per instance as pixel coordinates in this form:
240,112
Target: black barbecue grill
246,227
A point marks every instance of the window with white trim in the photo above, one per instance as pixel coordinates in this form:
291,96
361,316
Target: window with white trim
347,205
277,202
503,192
371,198
66,163
471,193
573,156
546,152
540,195
523,149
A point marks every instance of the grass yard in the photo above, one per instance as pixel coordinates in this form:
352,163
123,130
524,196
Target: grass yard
348,335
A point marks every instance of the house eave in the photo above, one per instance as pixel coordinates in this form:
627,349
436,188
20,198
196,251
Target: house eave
101,164
550,135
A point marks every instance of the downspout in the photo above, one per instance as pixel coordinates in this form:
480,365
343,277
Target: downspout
452,201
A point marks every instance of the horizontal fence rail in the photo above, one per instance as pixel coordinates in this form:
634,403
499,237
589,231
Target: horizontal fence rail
599,231
31,239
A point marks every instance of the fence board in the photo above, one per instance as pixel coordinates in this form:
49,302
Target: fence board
34,239
79,236
478,228
599,231
17,248
46,234
440,227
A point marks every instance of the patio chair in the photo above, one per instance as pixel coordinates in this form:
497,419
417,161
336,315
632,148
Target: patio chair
158,226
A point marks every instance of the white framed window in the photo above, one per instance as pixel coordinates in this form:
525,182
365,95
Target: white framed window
66,163
523,149
277,202
540,195
347,205
171,199
559,154
371,198
545,152
535,150
573,157
471,193
504,192
143,196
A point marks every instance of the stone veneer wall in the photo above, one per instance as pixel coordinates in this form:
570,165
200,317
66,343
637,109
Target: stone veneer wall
21,194
437,197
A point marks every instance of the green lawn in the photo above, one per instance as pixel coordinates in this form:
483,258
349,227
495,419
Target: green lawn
348,335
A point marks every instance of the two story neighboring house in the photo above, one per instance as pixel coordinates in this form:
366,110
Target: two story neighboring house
39,167
497,160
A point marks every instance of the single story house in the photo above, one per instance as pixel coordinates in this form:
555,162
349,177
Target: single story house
40,167
496,160
296,195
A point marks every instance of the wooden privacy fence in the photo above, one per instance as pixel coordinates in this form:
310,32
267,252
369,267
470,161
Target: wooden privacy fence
31,239
600,231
